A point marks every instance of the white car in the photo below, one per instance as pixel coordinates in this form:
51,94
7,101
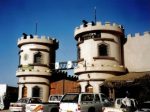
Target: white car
118,103
117,106
51,106
83,102
20,105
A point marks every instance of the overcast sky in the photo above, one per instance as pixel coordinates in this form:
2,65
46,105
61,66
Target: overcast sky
58,19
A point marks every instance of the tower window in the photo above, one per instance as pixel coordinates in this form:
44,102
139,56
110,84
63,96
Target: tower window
103,50
24,92
79,53
38,58
26,57
19,59
36,91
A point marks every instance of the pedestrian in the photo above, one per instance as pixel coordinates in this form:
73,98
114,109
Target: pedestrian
127,102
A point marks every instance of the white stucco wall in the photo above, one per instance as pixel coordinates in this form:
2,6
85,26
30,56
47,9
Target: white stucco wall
137,53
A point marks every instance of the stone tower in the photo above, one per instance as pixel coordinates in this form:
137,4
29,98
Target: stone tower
100,53
34,70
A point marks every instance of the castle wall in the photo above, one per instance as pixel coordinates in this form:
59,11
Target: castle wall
63,86
136,52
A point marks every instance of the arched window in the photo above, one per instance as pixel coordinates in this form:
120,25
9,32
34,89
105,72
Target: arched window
24,92
89,88
38,58
103,49
36,91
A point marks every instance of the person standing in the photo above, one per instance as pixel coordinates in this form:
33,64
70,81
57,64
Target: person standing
127,102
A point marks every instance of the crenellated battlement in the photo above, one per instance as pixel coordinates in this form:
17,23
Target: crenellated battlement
139,35
27,39
98,26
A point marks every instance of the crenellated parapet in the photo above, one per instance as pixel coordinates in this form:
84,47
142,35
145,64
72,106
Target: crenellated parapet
35,39
98,26
145,34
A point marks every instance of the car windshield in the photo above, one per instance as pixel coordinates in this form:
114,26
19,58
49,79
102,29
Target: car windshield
87,97
22,101
35,100
55,98
70,98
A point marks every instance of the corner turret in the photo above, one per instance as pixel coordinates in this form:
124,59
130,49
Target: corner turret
100,53
98,26
35,57
35,39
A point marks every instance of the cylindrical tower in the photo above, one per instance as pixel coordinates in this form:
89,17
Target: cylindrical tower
99,54
34,68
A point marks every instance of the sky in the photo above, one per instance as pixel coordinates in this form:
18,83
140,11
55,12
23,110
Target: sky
58,19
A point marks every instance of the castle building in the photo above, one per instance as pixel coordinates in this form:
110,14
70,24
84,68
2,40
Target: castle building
100,54
34,70
105,58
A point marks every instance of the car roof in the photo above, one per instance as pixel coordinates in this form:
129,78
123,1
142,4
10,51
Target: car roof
146,102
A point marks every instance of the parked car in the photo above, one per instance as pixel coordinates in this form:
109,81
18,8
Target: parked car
144,107
118,103
20,105
51,106
117,106
86,102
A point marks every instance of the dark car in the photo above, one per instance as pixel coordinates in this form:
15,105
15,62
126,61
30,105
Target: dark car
144,107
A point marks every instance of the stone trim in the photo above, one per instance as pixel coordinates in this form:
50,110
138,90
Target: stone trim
91,80
35,75
39,43
105,39
37,49
43,83
34,64
43,65
104,57
100,71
